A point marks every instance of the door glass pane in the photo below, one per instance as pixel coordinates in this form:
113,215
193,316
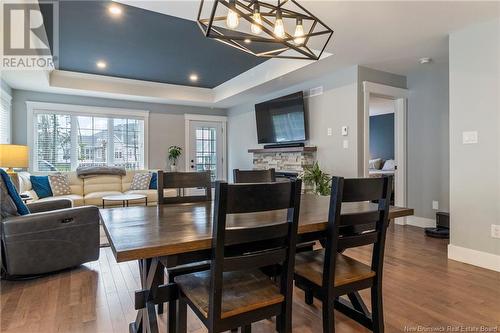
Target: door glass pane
206,153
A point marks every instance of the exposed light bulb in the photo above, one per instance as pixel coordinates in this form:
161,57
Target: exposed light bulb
256,29
232,20
299,33
279,28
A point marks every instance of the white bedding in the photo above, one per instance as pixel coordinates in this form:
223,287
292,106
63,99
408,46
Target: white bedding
381,172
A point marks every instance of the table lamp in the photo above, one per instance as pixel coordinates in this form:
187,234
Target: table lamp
14,156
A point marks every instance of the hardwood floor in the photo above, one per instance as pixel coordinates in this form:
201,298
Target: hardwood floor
421,288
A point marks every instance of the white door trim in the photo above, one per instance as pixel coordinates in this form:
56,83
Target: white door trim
400,97
216,119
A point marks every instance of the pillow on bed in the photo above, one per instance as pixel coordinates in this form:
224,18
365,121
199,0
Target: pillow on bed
375,164
389,165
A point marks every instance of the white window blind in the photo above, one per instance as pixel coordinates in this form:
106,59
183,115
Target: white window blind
64,141
5,117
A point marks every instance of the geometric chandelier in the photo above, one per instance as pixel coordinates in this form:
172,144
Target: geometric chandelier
265,28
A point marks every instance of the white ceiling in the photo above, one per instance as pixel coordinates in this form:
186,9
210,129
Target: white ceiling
384,35
379,106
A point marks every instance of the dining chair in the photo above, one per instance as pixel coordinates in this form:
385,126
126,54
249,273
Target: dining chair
254,176
182,181
327,274
234,292
266,176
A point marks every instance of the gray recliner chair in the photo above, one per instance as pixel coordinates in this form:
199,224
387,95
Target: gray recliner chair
54,236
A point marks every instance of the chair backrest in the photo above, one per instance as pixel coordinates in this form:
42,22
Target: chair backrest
254,176
183,180
256,246
358,229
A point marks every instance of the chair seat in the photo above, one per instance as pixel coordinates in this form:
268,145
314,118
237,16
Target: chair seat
309,265
242,291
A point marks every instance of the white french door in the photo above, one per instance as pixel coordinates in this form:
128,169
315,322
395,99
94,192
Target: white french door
206,147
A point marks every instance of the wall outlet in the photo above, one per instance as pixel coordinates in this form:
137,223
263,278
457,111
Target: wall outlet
495,230
329,131
469,137
345,144
435,205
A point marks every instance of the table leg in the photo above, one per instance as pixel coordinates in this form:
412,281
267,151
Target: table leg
355,309
153,291
146,201
146,320
102,203
358,303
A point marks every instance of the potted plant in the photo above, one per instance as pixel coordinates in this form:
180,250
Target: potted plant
174,152
320,180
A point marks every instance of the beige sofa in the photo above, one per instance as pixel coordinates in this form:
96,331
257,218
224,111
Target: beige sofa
89,191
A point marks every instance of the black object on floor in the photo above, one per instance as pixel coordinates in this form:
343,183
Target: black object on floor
442,229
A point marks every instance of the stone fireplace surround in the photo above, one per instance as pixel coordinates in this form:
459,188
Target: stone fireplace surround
289,160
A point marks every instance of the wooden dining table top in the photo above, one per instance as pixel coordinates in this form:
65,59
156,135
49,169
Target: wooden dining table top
145,232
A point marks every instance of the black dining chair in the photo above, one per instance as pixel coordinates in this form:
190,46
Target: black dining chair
266,176
181,181
254,176
234,292
327,274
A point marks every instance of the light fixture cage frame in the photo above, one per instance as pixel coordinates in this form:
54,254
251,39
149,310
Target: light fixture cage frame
245,10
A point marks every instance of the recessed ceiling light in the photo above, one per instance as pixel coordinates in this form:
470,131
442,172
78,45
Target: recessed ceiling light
424,60
247,41
115,10
193,77
101,64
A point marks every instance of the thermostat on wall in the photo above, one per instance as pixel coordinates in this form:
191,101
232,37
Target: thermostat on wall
345,131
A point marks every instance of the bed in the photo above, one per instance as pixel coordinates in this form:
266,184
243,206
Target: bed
379,168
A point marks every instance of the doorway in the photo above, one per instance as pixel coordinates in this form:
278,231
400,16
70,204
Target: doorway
385,109
206,145
382,137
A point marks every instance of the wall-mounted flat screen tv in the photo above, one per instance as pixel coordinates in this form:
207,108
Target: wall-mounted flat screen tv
281,120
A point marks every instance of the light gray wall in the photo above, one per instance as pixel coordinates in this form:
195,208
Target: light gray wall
335,108
428,139
475,106
341,104
166,122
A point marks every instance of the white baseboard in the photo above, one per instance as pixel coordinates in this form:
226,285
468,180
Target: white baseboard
474,257
421,222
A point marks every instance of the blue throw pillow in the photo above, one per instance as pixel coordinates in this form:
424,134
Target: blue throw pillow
22,209
153,184
41,186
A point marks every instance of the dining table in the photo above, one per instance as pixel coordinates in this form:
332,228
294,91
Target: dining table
167,236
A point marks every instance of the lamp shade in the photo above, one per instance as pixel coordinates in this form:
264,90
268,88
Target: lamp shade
14,156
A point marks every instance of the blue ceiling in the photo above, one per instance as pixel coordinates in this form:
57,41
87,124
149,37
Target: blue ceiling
144,45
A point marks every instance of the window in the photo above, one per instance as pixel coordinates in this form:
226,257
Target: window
65,140
206,153
5,114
